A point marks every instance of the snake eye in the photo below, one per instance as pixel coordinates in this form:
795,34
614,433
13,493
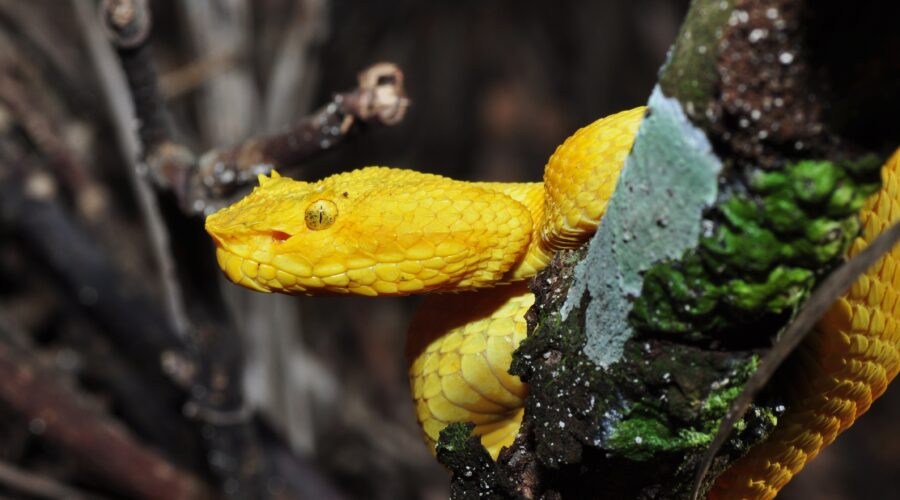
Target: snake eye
321,214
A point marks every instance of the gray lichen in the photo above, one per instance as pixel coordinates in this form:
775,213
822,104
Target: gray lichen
654,215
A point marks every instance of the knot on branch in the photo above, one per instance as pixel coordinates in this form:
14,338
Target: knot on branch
127,22
380,96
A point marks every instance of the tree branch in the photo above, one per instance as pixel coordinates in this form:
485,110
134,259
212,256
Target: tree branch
95,441
379,98
39,486
706,251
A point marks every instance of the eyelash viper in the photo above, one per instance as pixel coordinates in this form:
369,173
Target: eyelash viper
384,231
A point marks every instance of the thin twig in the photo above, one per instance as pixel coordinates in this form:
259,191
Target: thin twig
127,23
824,296
39,486
194,74
380,97
117,95
295,67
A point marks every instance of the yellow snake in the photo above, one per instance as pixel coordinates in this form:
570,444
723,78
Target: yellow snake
383,231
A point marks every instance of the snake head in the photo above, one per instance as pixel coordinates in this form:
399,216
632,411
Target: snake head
248,234
373,231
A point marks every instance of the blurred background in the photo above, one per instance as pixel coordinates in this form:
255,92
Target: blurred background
494,86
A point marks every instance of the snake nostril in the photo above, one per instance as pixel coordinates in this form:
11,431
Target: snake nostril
280,236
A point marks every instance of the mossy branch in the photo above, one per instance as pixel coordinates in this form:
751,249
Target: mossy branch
740,195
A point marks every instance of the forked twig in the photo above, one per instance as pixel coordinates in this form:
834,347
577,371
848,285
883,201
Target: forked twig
379,98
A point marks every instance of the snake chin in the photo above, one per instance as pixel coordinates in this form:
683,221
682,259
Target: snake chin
249,257
240,270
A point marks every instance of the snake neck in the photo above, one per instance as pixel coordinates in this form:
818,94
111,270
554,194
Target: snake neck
579,180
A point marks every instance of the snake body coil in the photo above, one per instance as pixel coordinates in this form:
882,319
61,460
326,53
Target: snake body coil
381,231
842,366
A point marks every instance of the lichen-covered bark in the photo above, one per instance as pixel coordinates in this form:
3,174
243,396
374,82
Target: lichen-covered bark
740,194
668,181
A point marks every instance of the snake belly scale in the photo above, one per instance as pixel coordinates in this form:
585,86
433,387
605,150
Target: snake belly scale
381,231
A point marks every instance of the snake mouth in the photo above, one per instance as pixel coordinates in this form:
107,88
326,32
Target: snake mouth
256,274
246,260
240,270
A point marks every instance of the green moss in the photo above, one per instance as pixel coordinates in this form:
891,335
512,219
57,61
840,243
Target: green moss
769,243
639,438
720,399
813,181
766,243
696,319
647,431
474,473
663,398
457,437
690,74
642,438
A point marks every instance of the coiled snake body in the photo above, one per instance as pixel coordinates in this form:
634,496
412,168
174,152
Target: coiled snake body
382,231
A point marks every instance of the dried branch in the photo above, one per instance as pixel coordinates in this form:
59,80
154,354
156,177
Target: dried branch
128,24
194,74
117,97
379,98
97,442
296,66
38,486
